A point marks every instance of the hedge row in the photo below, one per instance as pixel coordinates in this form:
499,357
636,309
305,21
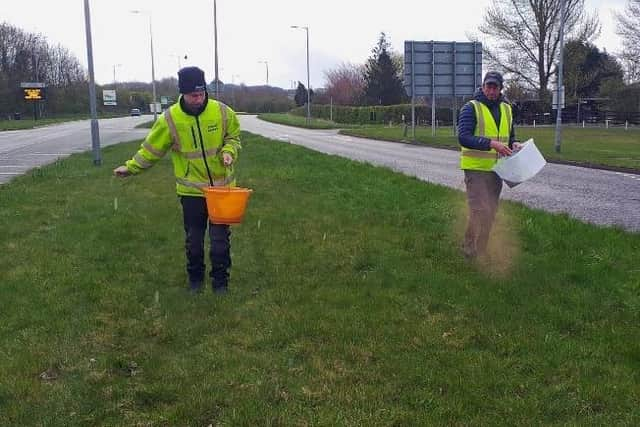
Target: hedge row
376,114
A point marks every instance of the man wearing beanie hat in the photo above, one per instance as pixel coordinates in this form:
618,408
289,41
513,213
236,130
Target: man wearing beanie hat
485,132
203,136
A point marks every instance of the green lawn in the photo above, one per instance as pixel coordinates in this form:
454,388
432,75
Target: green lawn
300,121
350,304
597,146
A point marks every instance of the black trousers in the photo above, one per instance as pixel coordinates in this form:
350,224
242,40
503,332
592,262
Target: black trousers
196,220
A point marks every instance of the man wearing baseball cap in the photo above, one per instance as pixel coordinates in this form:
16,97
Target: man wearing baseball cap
203,136
485,132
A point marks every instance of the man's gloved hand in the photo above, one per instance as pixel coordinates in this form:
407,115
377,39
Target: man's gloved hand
227,159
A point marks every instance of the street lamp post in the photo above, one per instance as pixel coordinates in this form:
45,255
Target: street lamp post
266,63
179,57
95,131
308,79
560,88
153,67
114,73
215,47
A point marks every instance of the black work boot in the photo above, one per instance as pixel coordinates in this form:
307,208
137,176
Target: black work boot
220,278
220,285
220,290
195,287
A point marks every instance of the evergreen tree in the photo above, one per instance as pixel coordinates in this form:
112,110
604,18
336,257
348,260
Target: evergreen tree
586,68
301,95
382,84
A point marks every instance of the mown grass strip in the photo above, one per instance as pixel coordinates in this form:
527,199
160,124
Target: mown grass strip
300,121
589,146
350,305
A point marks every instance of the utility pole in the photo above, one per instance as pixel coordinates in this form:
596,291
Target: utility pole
266,63
215,42
95,132
308,78
36,104
560,88
153,67
179,57
114,74
153,73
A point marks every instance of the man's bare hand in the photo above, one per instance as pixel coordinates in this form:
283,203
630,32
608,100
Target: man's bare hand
502,149
121,171
227,159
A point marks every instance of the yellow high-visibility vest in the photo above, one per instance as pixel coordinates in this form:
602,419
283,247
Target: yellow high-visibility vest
481,160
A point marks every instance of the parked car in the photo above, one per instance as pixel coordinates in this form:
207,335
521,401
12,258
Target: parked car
135,112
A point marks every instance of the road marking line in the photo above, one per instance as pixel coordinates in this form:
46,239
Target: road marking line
10,173
629,175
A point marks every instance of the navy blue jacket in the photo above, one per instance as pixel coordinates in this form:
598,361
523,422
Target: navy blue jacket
467,123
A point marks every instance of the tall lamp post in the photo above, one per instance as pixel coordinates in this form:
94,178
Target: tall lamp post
560,88
95,131
215,47
308,79
153,67
114,73
179,57
266,63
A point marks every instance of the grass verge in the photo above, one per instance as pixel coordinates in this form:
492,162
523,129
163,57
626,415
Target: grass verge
299,121
350,305
615,148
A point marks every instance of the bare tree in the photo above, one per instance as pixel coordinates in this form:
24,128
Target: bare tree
629,29
28,57
524,37
345,84
630,65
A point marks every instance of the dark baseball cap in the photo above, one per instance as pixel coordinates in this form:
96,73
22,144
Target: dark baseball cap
191,79
493,77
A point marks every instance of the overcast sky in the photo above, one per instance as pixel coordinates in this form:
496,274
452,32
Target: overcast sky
250,31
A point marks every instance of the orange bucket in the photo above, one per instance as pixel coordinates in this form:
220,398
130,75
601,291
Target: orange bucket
226,205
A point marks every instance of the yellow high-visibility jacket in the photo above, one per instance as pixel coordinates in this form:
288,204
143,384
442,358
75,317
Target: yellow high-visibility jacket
191,139
486,126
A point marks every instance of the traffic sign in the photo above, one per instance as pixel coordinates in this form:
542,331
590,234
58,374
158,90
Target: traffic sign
442,68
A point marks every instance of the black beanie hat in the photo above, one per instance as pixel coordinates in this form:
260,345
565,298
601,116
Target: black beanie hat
191,79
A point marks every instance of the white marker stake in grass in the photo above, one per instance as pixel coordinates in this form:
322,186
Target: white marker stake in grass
115,203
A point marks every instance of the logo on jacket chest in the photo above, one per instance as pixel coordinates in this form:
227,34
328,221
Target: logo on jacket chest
212,128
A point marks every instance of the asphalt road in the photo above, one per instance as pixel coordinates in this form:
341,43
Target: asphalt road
596,196
22,150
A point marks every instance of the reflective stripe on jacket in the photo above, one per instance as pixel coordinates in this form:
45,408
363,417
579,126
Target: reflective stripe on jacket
191,139
486,127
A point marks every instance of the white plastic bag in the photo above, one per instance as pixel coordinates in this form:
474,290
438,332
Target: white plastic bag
521,165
